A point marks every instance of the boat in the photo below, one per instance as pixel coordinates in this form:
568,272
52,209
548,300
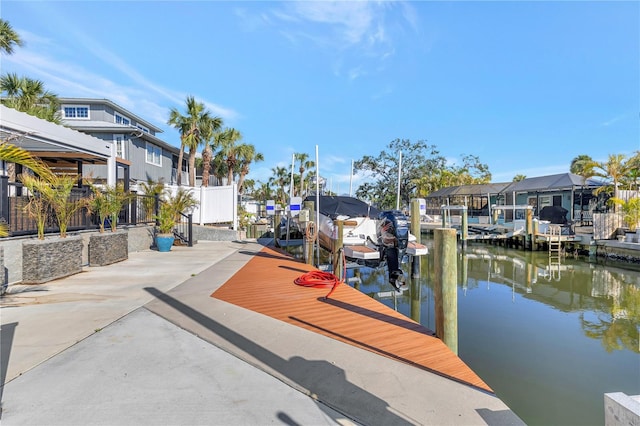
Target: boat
370,237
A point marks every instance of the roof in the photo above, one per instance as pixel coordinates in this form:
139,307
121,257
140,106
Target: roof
116,107
89,126
475,189
47,139
551,182
333,206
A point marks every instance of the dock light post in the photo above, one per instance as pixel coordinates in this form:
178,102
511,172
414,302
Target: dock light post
416,231
445,289
464,231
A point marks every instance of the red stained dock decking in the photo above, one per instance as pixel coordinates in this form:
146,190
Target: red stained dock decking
266,285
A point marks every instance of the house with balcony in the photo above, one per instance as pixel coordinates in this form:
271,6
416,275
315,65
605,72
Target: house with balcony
141,154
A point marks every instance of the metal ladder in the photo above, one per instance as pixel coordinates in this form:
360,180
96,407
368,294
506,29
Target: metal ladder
555,251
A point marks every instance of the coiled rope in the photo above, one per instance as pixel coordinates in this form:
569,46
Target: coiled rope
322,279
311,232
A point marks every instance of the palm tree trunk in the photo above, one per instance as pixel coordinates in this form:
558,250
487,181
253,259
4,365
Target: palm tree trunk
206,165
192,167
180,157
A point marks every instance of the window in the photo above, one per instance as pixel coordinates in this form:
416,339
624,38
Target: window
119,140
120,119
75,111
154,154
144,129
545,201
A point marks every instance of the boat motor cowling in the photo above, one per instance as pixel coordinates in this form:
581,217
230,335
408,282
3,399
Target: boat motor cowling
393,229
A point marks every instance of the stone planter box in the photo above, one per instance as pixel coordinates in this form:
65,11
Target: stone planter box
51,258
108,247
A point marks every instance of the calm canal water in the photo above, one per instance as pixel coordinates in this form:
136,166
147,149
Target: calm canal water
549,339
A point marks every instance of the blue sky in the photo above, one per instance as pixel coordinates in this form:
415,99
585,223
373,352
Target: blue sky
525,86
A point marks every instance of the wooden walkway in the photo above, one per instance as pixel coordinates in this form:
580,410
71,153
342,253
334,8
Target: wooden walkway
266,285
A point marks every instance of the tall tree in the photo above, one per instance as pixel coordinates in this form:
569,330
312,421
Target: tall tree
190,125
519,178
8,37
418,159
210,138
28,95
280,179
582,165
246,155
229,149
303,164
613,170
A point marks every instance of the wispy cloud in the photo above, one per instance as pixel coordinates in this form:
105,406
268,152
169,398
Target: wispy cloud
614,120
353,33
126,86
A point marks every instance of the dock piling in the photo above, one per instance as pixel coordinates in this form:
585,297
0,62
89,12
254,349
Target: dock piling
446,291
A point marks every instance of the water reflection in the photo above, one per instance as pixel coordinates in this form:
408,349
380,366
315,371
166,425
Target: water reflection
549,336
607,298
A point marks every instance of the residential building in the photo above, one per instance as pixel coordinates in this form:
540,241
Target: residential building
141,155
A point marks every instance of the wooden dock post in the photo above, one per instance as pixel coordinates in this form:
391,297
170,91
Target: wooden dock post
276,227
445,287
529,230
336,251
464,231
416,299
415,230
535,228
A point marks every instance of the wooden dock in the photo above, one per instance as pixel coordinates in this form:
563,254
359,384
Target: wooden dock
266,285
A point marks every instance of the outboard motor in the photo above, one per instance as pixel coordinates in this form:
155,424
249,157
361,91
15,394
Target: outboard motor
393,236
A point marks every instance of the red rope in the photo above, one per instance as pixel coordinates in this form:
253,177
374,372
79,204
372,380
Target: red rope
317,279
321,279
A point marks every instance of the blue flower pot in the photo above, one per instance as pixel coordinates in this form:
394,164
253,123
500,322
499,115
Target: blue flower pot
164,242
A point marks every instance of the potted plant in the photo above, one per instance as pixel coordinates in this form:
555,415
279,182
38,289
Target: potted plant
630,215
169,215
165,222
106,203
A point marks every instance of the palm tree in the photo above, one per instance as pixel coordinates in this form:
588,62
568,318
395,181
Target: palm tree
212,134
246,155
519,178
28,95
280,179
615,169
8,37
582,165
229,150
191,125
304,164
14,154
263,193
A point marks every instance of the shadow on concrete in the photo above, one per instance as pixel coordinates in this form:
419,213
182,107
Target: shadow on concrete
501,417
325,381
7,332
410,325
385,353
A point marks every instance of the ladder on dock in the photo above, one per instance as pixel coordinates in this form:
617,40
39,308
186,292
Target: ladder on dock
555,251
555,244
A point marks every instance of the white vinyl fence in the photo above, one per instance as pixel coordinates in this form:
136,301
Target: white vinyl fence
216,204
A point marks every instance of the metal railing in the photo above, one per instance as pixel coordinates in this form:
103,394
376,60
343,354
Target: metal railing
142,209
